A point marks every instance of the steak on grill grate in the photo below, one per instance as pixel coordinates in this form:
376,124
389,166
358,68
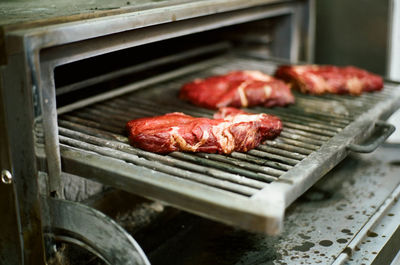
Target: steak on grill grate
230,130
237,89
315,79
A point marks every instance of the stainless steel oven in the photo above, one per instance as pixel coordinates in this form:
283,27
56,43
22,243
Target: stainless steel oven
73,74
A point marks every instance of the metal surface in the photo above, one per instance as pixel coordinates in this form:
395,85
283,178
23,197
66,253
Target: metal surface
25,13
346,208
10,242
378,240
63,33
11,248
88,228
250,190
18,111
321,227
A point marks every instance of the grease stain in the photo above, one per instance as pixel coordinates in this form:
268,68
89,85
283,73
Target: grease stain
326,243
371,234
306,246
303,236
341,240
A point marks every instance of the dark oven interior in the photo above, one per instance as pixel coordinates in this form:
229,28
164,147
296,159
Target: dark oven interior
85,78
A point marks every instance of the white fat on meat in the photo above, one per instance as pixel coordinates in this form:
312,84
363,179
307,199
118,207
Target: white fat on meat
224,136
221,132
355,85
245,117
320,84
267,91
176,138
242,94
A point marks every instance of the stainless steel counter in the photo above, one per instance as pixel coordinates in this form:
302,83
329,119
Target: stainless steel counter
351,216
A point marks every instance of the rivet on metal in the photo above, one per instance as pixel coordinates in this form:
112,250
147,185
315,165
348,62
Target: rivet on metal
6,176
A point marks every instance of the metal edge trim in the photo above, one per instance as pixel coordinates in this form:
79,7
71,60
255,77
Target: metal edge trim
374,219
47,36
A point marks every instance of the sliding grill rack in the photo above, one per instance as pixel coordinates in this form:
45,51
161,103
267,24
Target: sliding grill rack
250,190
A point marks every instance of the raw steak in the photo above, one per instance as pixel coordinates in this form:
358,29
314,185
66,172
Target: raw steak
315,79
237,89
230,130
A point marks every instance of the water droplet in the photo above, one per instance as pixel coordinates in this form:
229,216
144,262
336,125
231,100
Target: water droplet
345,231
395,163
306,246
303,236
325,243
372,234
341,240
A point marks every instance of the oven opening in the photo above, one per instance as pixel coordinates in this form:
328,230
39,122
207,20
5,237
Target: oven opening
88,77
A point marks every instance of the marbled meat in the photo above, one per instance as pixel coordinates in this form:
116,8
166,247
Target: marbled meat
230,130
320,79
237,89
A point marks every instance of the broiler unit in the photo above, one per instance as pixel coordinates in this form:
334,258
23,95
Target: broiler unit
70,83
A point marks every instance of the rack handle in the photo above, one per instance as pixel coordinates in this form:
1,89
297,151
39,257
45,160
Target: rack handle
388,129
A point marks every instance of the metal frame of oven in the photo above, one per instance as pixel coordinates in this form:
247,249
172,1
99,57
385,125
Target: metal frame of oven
28,96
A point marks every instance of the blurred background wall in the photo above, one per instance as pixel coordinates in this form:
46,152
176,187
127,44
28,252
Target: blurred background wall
364,33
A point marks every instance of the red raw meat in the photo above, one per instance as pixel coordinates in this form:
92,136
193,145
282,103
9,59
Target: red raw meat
237,89
230,130
315,79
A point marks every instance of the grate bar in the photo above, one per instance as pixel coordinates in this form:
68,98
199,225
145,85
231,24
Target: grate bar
304,139
108,126
308,128
299,143
87,129
276,167
164,107
284,160
294,114
311,124
316,113
198,159
282,152
288,147
237,162
307,134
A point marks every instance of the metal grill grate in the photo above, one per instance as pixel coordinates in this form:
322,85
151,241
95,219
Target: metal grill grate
310,124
